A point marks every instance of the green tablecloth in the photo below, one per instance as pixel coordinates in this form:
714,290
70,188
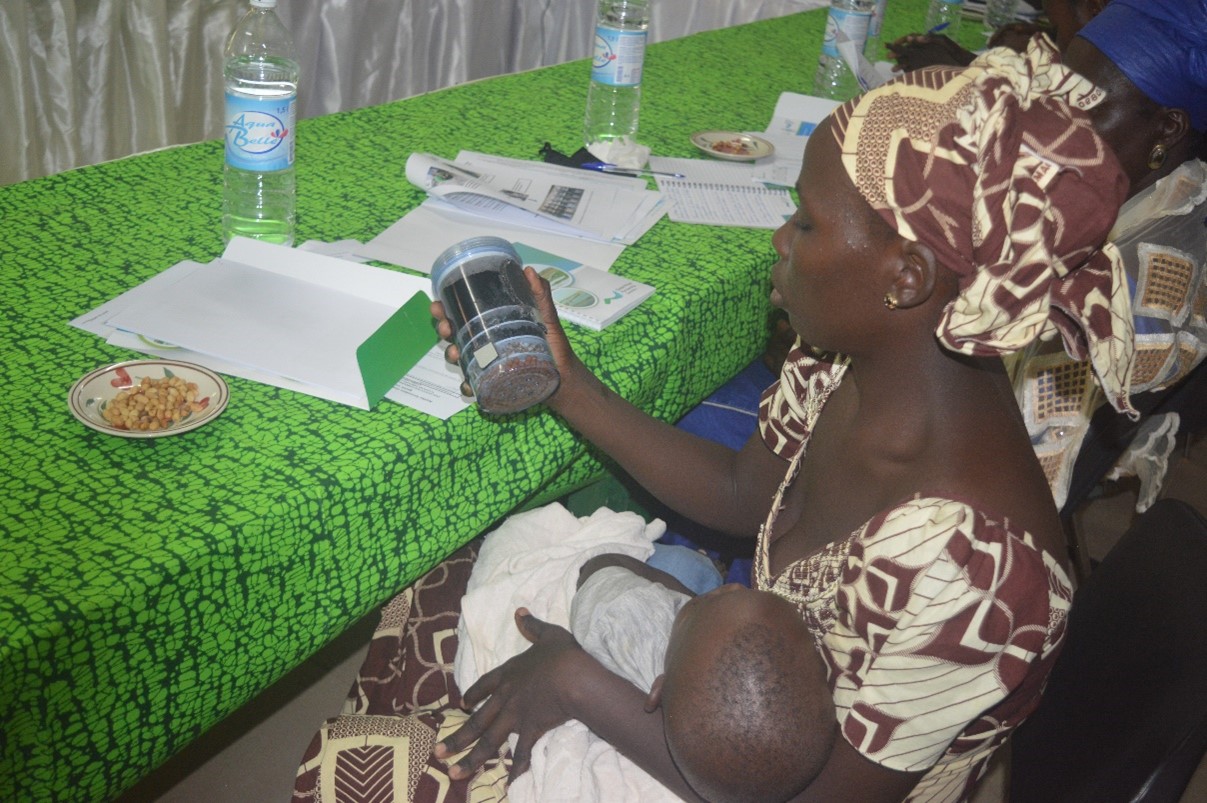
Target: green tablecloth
149,588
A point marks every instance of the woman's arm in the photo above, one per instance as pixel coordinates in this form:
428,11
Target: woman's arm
550,683
705,481
724,489
555,681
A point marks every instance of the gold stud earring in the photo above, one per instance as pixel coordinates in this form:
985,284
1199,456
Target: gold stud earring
1156,157
890,300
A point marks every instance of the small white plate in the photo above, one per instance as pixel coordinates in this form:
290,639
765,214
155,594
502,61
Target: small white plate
94,391
732,145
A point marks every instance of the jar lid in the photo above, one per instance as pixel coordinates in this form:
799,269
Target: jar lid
456,255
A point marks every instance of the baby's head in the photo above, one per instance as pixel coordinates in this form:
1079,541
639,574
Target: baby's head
746,709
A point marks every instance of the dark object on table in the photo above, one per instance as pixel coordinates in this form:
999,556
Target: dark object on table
581,157
1124,716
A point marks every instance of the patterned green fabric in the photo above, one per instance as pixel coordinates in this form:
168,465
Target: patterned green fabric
150,587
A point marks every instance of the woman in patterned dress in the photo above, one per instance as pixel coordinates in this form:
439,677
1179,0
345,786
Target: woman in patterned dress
945,219
1149,58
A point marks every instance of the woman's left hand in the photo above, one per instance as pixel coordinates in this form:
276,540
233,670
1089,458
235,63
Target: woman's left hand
527,695
918,50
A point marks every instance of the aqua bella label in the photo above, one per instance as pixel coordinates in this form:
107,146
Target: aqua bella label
852,25
618,56
259,132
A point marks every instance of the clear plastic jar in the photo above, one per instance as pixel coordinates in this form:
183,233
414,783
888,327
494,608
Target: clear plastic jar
496,325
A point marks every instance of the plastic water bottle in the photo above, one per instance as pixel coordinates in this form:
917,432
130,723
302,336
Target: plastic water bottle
614,97
849,18
999,13
943,17
261,77
874,49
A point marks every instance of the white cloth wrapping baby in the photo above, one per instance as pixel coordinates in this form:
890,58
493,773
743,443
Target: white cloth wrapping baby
532,560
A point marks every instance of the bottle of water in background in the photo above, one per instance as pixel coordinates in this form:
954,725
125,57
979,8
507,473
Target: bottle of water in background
834,78
874,49
614,97
261,77
999,13
943,16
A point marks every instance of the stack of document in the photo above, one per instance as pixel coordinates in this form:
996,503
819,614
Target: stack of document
721,194
562,210
323,326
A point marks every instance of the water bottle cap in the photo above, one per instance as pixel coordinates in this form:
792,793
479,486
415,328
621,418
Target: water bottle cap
264,3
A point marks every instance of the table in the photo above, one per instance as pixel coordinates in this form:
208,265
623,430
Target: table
149,588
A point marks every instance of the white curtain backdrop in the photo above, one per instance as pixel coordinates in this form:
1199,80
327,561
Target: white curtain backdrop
84,81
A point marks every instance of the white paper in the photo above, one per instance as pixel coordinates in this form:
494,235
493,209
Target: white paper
644,206
155,348
536,195
433,386
280,312
425,232
721,193
710,171
248,313
583,294
792,122
340,249
96,320
622,152
747,205
553,171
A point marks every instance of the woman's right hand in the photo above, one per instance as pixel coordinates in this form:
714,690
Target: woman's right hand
559,344
563,355
524,695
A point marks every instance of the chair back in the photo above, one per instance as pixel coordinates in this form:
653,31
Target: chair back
1124,715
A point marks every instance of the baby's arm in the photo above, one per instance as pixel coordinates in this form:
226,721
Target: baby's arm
633,565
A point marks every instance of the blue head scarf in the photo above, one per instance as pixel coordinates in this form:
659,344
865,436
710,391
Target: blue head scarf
1161,46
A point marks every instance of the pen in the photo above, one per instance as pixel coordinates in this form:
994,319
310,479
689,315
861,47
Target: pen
939,28
604,167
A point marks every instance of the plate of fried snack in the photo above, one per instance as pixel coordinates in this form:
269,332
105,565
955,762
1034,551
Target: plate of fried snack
148,398
732,145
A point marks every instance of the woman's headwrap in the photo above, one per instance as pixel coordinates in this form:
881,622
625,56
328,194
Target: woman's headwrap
997,171
1161,46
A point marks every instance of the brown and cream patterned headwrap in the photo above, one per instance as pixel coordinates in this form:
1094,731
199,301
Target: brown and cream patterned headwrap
997,170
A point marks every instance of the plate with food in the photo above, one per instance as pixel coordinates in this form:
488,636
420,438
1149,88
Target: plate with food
732,145
148,398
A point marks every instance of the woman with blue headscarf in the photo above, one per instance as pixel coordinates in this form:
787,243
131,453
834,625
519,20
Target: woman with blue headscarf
1148,59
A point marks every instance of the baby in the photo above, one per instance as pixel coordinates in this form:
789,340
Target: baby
734,672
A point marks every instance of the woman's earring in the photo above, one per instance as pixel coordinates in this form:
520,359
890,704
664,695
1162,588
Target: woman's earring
1156,157
890,300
